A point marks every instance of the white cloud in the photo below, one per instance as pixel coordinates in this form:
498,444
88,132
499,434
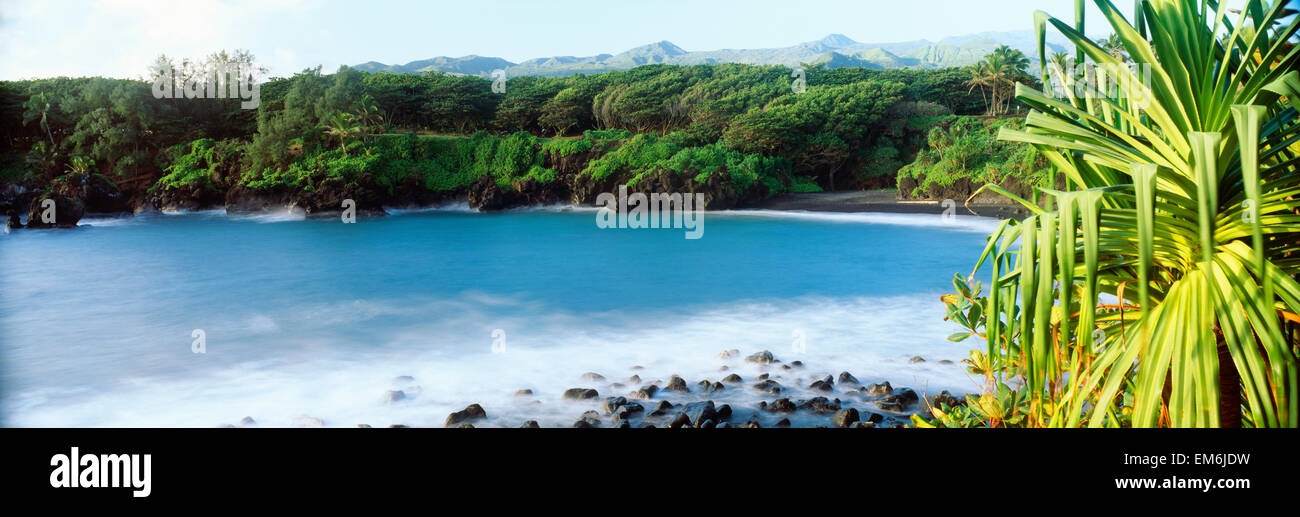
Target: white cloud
119,38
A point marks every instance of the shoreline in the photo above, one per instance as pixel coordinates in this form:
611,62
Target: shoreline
843,202
790,395
882,201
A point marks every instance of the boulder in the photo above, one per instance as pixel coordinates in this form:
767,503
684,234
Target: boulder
764,357
662,408
698,412
847,378
899,400
580,394
768,386
820,405
879,390
781,405
611,405
845,417
470,413
624,413
938,401
65,213
590,417
646,392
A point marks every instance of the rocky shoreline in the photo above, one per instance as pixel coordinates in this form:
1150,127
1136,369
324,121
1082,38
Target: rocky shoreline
787,395
78,195
71,206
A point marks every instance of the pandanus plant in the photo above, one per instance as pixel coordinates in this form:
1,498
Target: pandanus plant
1159,287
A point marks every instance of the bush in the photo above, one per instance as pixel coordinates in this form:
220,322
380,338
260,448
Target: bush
969,149
200,163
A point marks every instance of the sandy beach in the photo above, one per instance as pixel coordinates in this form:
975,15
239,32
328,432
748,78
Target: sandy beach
883,201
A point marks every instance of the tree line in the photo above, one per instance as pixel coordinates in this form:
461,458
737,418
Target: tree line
860,121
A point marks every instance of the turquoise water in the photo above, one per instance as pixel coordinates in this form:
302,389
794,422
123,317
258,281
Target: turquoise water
316,317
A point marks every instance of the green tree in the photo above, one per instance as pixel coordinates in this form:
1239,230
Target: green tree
38,108
343,126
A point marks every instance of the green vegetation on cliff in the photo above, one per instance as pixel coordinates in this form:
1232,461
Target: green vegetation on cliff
752,125
968,152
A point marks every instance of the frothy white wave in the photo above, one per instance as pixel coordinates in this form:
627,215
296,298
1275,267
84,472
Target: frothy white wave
462,206
452,362
210,212
287,215
112,221
556,208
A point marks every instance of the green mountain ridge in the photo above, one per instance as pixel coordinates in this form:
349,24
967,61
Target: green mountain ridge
834,50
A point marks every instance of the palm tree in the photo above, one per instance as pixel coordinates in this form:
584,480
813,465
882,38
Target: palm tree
981,78
1061,66
342,125
1114,46
998,72
369,116
1184,212
38,107
1011,65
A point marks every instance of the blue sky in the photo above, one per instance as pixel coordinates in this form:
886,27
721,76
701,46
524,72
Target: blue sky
118,38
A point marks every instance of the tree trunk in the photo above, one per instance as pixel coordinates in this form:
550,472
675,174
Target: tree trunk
1229,390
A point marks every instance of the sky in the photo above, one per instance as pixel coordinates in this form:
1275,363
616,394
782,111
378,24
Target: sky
119,38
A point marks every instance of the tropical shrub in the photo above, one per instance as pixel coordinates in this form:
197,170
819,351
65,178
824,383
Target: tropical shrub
1181,201
969,148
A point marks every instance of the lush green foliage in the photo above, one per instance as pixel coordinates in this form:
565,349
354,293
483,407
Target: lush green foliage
850,128
969,148
199,164
648,154
1180,201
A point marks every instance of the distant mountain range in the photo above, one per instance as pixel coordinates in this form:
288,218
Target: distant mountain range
835,50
